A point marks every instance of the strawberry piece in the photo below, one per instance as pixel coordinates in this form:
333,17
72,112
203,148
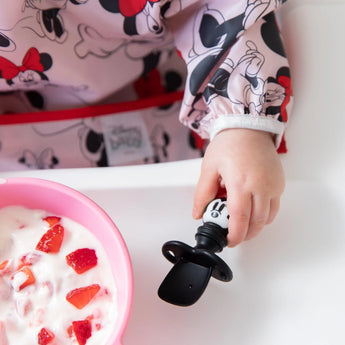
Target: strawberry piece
82,296
6,267
22,278
45,336
51,241
82,259
52,220
82,331
3,265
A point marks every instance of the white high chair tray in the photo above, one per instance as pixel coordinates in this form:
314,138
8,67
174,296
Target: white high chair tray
289,282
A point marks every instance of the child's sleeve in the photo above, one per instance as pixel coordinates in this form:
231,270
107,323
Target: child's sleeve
238,74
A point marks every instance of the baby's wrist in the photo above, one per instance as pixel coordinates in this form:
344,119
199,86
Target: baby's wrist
247,134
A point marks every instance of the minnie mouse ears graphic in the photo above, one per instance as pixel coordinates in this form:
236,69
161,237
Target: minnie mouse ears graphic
128,8
32,60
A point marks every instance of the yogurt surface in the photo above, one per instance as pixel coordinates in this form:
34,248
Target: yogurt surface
41,290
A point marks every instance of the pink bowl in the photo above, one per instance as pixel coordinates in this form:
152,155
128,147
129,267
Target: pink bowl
56,198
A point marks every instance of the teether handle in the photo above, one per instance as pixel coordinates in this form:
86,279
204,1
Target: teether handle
211,237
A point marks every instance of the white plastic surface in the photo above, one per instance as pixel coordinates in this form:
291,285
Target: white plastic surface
289,282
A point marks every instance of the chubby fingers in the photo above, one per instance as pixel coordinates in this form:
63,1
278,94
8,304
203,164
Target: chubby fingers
248,215
274,208
259,215
239,208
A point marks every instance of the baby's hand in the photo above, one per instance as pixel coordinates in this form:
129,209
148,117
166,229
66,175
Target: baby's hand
246,163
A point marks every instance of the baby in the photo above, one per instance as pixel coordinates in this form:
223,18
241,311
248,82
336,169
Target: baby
87,58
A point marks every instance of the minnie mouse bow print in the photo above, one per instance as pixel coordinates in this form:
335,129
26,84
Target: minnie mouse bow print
32,61
129,8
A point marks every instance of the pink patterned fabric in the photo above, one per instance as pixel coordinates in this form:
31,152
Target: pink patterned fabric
226,55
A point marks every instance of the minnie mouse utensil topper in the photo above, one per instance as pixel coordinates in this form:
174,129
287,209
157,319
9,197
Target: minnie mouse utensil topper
194,266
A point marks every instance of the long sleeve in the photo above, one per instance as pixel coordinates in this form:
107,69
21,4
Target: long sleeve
238,73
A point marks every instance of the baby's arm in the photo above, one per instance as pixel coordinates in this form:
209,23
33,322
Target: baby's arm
246,163
237,65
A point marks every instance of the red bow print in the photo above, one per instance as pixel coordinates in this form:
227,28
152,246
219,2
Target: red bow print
31,61
131,8
285,82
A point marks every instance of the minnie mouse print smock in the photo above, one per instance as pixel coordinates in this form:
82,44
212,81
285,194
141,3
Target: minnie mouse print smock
103,82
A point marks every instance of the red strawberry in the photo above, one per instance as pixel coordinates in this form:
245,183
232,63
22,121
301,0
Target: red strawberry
52,220
82,259
6,266
82,331
18,282
51,241
45,336
3,264
82,296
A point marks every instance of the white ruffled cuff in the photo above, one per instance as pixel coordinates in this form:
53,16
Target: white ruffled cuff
261,123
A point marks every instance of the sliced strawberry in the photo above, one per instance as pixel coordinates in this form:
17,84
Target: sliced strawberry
51,241
3,265
22,278
52,220
82,296
82,331
82,259
6,266
45,336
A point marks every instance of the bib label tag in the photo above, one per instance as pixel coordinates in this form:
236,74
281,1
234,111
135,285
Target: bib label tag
126,138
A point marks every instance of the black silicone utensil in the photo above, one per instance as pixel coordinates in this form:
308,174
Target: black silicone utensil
194,266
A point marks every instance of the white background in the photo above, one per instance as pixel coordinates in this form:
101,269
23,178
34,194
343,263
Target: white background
289,282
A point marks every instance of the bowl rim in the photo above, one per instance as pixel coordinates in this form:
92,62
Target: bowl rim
123,318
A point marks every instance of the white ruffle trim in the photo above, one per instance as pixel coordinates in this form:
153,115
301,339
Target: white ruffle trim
261,123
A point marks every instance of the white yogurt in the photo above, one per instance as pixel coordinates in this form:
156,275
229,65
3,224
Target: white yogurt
24,312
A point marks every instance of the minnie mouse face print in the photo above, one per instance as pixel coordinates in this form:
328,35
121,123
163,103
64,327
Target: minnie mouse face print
213,35
30,73
140,18
152,23
246,73
139,15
